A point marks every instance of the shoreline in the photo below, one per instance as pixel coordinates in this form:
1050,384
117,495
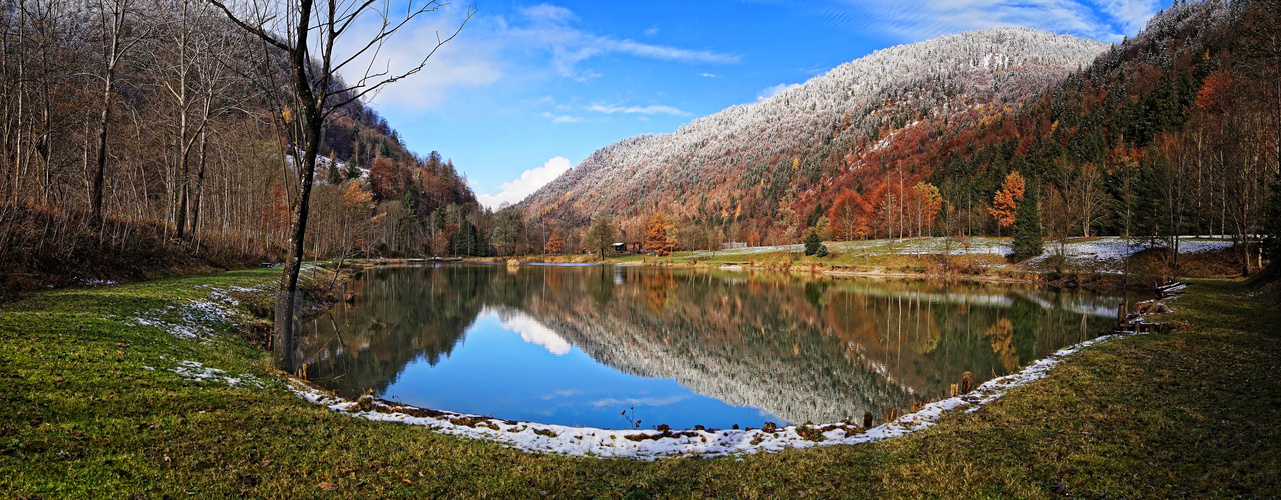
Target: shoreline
667,443
1092,281
208,413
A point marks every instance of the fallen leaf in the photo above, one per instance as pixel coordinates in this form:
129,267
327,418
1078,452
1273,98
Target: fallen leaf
327,486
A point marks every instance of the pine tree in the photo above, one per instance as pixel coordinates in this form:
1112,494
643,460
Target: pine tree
335,177
1027,228
812,242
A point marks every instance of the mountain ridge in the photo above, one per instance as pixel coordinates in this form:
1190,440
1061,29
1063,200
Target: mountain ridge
820,129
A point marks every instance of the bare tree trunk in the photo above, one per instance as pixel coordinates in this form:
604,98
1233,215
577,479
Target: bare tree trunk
200,185
95,197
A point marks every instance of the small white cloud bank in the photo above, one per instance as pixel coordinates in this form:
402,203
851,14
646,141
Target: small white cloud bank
1107,20
562,118
638,110
529,181
774,90
531,331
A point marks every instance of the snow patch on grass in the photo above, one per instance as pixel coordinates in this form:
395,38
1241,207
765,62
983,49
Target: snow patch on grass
196,371
196,319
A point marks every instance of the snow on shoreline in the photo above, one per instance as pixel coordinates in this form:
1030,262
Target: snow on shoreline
1105,254
647,444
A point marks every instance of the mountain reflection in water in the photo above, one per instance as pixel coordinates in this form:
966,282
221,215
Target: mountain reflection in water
730,347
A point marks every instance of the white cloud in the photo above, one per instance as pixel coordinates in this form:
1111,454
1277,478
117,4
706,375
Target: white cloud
530,330
533,332
642,110
486,47
529,181
466,61
1107,20
647,401
562,118
709,75
774,90
549,28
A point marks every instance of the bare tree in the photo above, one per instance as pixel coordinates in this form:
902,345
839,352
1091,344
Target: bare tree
1089,195
112,17
308,33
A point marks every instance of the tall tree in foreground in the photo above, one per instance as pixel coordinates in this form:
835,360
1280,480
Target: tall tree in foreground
113,20
307,32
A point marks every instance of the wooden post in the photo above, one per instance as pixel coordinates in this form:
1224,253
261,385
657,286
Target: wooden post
967,382
867,420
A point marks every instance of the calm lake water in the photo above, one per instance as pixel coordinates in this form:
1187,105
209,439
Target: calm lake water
580,345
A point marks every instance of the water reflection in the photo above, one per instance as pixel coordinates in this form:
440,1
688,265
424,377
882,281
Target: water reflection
684,347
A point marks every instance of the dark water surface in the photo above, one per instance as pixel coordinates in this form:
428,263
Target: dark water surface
578,345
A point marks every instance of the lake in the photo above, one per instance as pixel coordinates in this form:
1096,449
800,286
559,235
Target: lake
620,347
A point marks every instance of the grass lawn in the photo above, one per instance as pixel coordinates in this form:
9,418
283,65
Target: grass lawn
93,409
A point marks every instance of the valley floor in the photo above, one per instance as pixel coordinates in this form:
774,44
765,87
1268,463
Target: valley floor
145,390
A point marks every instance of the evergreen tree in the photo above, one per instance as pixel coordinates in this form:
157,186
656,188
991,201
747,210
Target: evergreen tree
408,223
335,177
812,242
1027,228
440,218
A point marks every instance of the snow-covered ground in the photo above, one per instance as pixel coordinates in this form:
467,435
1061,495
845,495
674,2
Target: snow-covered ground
1105,254
194,318
199,372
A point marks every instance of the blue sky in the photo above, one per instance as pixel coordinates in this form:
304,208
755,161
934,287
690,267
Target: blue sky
528,89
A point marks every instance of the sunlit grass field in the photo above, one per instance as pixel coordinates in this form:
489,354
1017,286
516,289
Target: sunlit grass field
92,408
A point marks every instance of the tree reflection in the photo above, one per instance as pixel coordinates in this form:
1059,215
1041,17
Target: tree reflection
801,349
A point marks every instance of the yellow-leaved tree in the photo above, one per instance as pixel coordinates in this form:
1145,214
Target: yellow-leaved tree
1005,205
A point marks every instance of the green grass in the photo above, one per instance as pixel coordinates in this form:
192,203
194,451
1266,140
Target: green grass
1195,412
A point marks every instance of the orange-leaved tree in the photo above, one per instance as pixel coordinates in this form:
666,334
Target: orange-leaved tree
555,244
1005,205
656,237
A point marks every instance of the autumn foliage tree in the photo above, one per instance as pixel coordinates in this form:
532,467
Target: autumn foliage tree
1005,205
555,244
657,240
852,216
924,205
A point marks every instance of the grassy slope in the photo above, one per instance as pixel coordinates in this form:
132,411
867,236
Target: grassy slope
1141,416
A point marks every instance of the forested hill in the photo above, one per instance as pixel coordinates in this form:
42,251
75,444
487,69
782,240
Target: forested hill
190,122
1173,131
766,166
